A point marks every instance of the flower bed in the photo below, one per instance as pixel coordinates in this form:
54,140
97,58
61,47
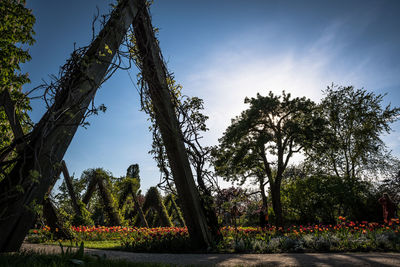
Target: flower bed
344,236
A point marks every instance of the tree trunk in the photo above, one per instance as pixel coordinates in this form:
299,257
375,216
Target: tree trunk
276,203
264,208
155,74
33,173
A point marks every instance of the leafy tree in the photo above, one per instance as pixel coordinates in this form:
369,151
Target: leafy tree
133,171
253,211
351,146
260,142
391,185
231,203
16,31
321,199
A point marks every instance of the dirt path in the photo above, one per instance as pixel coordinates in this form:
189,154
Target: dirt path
285,259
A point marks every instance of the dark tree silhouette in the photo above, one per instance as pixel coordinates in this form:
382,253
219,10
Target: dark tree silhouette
260,142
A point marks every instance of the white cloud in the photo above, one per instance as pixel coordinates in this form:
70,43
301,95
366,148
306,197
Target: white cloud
226,77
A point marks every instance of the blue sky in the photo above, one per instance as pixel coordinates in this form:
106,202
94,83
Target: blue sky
222,51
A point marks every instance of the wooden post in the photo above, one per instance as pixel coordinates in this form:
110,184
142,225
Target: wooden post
89,191
52,218
70,188
155,75
32,175
140,211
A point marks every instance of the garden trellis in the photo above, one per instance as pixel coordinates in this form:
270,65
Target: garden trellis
27,177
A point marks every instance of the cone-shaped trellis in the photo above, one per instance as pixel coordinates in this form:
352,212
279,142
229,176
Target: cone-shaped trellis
173,210
155,205
40,152
98,180
129,188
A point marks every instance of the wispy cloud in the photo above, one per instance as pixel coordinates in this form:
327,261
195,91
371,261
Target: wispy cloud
226,77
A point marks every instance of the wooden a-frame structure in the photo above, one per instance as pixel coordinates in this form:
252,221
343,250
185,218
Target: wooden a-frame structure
40,152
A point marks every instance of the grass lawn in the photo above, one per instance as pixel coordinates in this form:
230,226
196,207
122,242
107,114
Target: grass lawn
106,244
32,259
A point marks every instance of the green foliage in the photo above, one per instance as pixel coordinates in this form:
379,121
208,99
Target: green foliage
276,125
155,203
84,218
391,185
65,208
16,30
251,214
236,206
321,199
133,171
127,189
62,197
174,211
107,197
102,206
77,255
351,145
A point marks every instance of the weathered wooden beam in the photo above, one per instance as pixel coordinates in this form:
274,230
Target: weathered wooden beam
155,75
89,191
140,211
70,188
51,216
32,175
53,221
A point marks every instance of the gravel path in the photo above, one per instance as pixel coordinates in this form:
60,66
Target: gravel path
285,259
